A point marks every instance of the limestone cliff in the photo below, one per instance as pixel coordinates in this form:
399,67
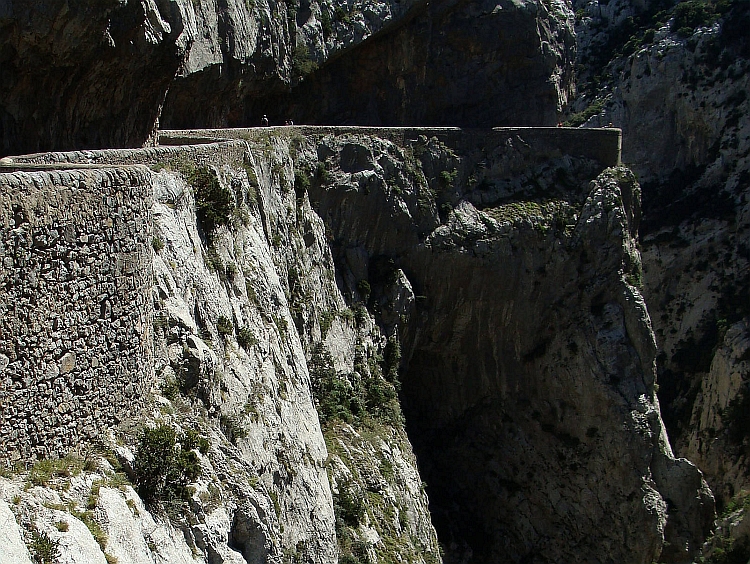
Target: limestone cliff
674,78
677,84
491,275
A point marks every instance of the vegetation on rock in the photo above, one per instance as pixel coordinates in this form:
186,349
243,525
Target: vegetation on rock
165,465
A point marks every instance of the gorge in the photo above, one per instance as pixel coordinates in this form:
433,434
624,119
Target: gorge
377,344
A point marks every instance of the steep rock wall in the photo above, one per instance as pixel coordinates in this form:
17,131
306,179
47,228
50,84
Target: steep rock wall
678,86
471,64
270,483
504,376
503,262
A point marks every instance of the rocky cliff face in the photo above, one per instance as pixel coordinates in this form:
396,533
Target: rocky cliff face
472,64
677,85
249,324
83,75
96,75
498,381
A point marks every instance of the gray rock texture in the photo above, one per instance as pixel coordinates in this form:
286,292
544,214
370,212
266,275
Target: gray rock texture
14,549
678,88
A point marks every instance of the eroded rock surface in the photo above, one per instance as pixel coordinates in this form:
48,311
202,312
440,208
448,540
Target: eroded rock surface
677,84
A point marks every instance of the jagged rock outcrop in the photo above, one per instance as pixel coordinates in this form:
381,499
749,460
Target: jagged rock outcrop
677,84
497,380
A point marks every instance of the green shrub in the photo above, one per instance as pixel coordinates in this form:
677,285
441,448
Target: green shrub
163,468
360,314
232,427
348,505
301,182
582,117
170,388
334,395
214,204
322,173
194,440
157,243
392,359
448,178
43,549
364,289
246,339
342,15
302,63
325,321
224,326
325,23
691,14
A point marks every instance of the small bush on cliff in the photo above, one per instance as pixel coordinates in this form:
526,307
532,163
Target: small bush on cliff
583,116
302,63
165,466
43,549
224,326
335,396
246,339
348,505
691,14
214,204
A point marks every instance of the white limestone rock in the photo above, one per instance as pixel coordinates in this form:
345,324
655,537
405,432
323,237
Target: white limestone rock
14,550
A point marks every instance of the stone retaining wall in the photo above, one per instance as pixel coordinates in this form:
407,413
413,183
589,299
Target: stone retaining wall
75,307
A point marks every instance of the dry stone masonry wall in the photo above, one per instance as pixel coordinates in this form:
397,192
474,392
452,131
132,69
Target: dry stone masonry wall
75,312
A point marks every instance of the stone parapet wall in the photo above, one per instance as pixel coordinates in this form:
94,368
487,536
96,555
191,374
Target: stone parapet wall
75,305
603,144
212,151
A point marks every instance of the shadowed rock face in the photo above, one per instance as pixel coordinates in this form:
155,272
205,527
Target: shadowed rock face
529,384
472,64
98,74
82,75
